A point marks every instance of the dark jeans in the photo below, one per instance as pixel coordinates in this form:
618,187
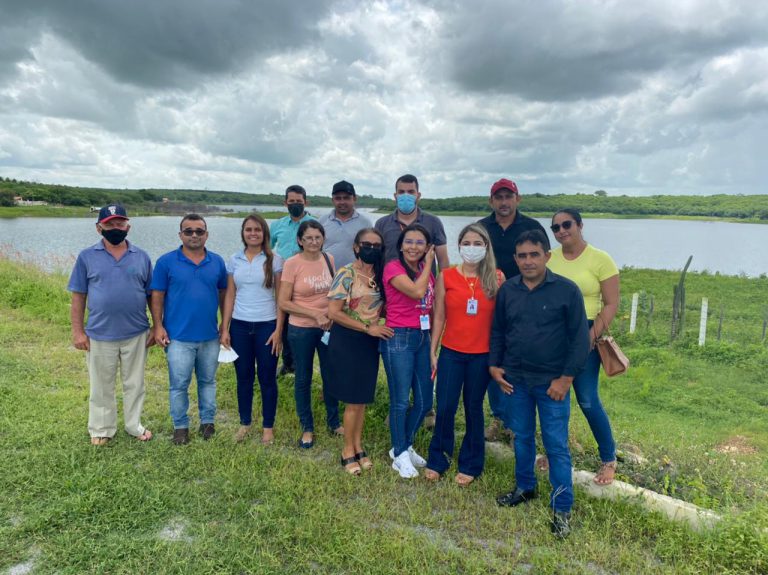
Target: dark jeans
406,361
287,355
553,416
249,340
304,341
457,371
585,386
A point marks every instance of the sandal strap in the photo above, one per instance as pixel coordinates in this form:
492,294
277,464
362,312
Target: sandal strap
360,454
348,460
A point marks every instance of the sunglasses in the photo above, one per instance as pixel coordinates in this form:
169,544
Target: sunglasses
189,232
566,225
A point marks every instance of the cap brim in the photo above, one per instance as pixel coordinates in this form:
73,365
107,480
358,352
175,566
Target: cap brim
114,218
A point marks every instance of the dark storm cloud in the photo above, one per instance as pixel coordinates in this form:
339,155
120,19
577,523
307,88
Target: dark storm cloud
564,51
163,43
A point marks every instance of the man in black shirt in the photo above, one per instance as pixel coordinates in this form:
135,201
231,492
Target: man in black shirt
539,342
504,225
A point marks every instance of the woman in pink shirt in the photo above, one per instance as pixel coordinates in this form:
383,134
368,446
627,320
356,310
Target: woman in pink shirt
409,287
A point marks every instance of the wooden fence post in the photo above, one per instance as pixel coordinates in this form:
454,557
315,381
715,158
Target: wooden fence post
678,304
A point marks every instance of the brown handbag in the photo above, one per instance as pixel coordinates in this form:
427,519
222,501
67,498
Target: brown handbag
613,359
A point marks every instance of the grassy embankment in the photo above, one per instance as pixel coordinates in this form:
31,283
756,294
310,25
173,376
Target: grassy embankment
698,416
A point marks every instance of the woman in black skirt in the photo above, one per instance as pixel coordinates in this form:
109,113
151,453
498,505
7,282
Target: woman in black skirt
354,306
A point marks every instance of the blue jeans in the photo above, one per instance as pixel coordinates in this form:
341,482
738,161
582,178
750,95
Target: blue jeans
585,386
406,361
304,341
553,417
184,357
456,370
249,340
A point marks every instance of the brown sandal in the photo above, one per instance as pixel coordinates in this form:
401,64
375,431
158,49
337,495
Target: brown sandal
463,480
351,465
100,440
606,473
431,474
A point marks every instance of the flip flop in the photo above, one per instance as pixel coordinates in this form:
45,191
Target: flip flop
606,473
100,440
146,436
351,465
431,474
363,459
463,480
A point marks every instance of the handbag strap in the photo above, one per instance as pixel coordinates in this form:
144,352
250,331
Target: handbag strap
330,267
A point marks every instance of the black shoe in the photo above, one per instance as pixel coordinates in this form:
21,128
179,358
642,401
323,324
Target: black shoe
180,436
516,497
561,524
207,430
306,444
285,370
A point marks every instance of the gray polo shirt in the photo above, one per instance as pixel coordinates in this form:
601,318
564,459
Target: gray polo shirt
390,228
116,291
339,236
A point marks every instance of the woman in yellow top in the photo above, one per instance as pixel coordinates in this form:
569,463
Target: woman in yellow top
597,276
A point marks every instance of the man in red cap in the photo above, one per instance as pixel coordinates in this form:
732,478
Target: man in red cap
504,226
113,278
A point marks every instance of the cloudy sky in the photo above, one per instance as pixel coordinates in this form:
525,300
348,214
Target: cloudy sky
562,96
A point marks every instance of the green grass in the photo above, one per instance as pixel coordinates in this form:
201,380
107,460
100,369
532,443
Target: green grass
219,507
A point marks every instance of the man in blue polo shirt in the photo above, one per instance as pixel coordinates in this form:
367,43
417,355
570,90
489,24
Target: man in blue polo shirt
282,234
187,291
113,278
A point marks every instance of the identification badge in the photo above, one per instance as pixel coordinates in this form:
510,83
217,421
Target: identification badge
472,306
424,320
326,337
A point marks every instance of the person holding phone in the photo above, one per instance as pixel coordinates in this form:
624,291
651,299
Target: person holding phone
409,293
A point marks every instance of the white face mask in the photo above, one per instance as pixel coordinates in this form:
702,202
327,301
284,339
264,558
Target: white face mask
472,254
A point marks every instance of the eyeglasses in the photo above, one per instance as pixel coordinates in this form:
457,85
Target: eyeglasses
566,225
189,232
370,245
419,243
309,240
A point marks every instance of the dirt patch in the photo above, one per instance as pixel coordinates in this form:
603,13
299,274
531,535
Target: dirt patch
738,445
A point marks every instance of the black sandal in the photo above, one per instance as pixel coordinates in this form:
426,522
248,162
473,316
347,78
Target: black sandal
350,461
359,456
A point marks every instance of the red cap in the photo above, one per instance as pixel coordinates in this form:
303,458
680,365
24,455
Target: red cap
504,184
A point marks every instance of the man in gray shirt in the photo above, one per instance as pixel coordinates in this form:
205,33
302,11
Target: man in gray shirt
342,224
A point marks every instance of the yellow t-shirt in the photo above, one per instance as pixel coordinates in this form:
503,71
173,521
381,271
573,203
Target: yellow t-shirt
586,271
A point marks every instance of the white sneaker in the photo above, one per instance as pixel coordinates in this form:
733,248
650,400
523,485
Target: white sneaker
416,459
402,464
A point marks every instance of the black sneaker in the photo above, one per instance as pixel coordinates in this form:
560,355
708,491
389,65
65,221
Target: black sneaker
561,524
207,430
285,370
180,436
516,497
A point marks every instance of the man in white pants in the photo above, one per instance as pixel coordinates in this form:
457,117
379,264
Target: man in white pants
112,277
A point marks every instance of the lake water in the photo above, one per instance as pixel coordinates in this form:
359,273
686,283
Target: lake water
724,247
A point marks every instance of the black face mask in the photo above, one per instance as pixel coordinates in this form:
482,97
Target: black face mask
369,255
114,236
295,209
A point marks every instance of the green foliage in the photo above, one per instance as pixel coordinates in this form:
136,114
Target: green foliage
220,507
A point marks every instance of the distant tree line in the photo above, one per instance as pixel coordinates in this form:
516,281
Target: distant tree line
726,206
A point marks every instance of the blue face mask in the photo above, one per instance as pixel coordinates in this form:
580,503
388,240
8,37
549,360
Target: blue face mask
406,203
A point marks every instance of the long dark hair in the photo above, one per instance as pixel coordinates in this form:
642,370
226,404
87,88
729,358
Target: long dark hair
412,228
269,277
378,267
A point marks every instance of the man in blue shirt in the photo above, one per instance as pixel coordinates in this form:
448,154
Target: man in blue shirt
539,342
188,289
282,234
342,224
113,278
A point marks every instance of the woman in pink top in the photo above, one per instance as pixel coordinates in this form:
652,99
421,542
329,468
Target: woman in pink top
303,294
409,290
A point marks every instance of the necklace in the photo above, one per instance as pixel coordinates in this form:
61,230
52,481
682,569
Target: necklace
371,281
467,279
